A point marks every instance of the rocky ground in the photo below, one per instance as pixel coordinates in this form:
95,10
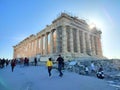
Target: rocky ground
111,69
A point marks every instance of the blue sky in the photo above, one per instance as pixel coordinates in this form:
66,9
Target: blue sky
21,18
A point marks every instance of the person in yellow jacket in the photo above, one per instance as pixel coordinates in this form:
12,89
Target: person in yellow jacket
49,64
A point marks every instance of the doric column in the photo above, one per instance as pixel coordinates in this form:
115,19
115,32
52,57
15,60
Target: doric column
32,48
80,38
71,40
95,42
93,45
88,44
51,42
28,49
37,46
84,42
41,45
54,40
64,39
46,43
78,41
57,40
23,49
98,45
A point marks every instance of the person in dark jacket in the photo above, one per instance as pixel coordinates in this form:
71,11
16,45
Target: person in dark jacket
35,60
12,64
60,61
100,73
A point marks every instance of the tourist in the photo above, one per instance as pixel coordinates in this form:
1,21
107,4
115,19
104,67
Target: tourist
93,67
7,62
35,61
49,64
100,73
60,61
86,70
26,61
13,64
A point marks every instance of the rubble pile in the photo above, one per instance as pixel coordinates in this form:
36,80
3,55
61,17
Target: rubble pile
111,67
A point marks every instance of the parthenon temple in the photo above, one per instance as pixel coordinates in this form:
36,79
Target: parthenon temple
67,35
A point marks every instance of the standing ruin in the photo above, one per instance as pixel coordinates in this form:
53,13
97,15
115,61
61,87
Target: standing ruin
67,35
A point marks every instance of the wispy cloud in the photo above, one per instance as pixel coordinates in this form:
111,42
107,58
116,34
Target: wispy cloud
108,16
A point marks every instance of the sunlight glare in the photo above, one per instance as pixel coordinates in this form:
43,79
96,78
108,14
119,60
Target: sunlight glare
92,25
96,23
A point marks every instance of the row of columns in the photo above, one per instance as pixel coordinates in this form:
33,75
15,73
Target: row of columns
58,42
87,43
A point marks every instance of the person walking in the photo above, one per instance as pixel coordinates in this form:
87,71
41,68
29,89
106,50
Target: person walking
12,64
60,61
93,70
35,60
49,64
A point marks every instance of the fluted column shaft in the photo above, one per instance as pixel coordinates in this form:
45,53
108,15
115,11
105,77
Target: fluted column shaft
41,45
88,44
46,43
93,45
51,42
71,40
64,39
78,42
98,46
38,48
84,42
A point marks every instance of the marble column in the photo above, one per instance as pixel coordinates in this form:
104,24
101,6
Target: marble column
32,45
39,41
28,49
71,40
92,45
99,49
80,38
51,42
64,40
95,42
41,45
57,40
100,46
78,42
37,46
84,42
88,44
46,43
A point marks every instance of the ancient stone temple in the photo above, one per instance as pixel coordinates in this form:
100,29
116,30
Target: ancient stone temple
67,35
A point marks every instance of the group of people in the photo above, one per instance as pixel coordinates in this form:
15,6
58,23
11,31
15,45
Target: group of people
99,72
3,62
60,62
6,62
49,64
